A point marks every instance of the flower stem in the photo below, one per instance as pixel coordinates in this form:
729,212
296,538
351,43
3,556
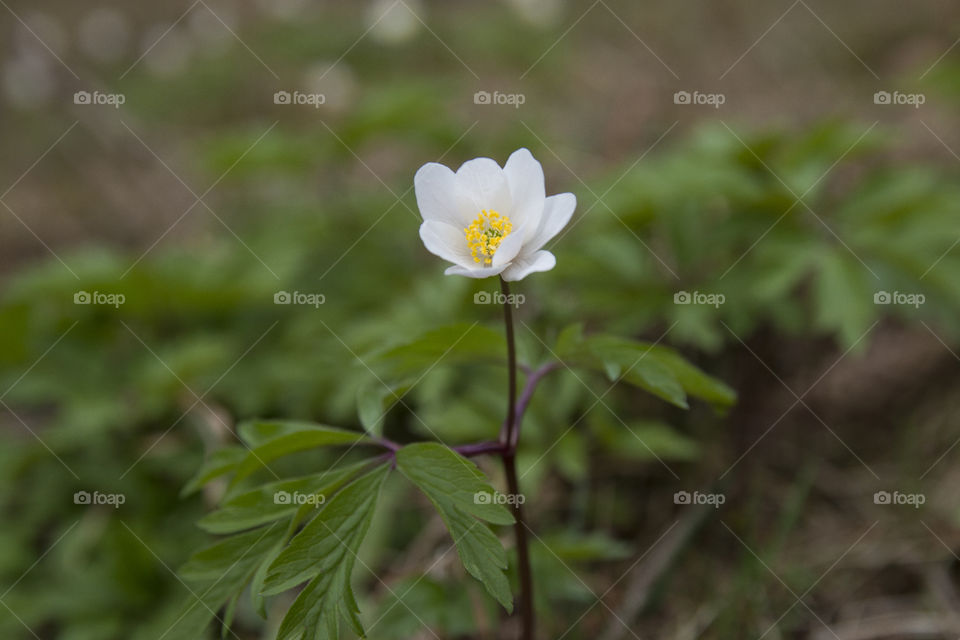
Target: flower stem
509,437
523,553
511,420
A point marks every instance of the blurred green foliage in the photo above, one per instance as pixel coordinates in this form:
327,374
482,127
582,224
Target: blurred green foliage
128,400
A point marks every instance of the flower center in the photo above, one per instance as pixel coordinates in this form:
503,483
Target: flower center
485,234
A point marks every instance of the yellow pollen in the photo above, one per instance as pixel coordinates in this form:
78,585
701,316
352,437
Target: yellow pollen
485,234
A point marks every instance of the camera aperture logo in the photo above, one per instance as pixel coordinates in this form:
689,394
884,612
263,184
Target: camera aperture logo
300,98
97,297
298,297
484,497
99,98
499,98
697,297
299,499
497,297
897,98
96,498
697,498
697,98
910,299
914,500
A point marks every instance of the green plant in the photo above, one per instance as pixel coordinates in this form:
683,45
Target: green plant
310,529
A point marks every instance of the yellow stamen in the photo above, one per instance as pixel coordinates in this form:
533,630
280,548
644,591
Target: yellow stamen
485,234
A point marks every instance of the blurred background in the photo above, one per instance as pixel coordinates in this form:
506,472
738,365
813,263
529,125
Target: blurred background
771,188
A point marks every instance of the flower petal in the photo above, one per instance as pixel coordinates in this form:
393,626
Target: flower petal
557,211
483,186
525,179
446,241
525,265
509,247
478,272
438,195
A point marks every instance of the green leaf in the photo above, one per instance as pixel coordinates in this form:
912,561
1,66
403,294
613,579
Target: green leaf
331,537
625,359
219,559
290,437
259,432
454,486
694,381
315,614
657,369
228,614
217,573
219,463
260,575
270,502
324,552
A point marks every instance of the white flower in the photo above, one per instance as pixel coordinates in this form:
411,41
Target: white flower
490,221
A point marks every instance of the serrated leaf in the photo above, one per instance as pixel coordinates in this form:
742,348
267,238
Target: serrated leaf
216,574
454,486
228,615
257,599
655,368
448,474
218,559
220,462
292,437
314,615
694,381
332,535
269,501
630,361
324,552
256,433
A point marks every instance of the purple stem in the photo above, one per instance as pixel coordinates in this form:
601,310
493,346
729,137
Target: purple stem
532,381
480,448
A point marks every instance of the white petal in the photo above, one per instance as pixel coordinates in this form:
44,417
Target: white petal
511,246
557,211
478,272
525,265
483,186
446,241
438,195
525,179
